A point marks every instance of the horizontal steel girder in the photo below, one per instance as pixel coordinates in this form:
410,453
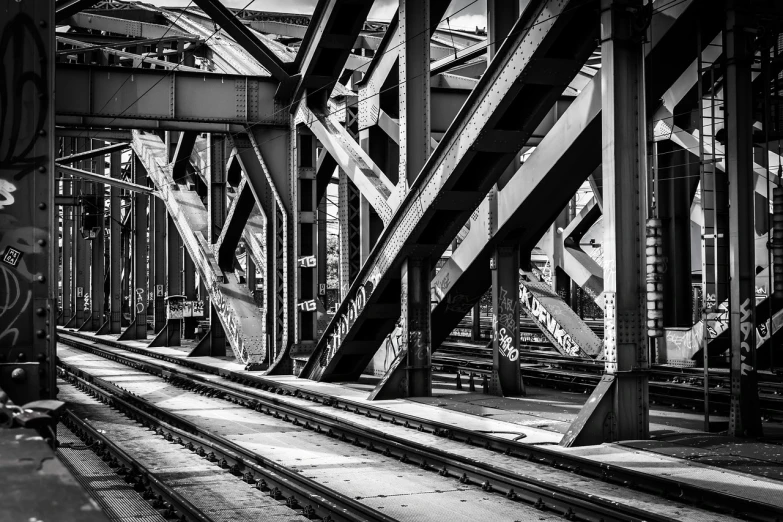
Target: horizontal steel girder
513,96
242,320
150,98
122,26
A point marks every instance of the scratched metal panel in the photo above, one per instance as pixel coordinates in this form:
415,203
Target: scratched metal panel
28,284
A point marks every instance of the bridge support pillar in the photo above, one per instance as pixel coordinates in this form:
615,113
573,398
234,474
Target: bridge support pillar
506,376
113,324
415,296
158,261
69,213
618,409
170,334
138,328
745,415
96,207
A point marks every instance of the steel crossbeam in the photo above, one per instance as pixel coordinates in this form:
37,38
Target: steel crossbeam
237,311
125,97
519,87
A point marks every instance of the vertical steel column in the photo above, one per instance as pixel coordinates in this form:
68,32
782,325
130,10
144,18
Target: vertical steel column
678,176
67,250
506,376
189,290
414,88
475,325
625,212
139,295
158,261
28,237
216,159
321,263
618,408
307,237
415,307
113,325
80,247
170,334
745,416
98,247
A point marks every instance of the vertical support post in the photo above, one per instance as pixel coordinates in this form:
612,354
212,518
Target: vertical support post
158,261
216,158
506,375
475,328
189,287
170,334
625,209
98,248
307,237
349,202
68,231
114,322
138,304
618,409
745,415
80,247
28,237
414,88
415,301
321,263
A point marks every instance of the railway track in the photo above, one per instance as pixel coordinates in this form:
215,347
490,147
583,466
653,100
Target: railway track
678,387
526,477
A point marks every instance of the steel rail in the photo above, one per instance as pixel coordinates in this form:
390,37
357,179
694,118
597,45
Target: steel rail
572,504
133,469
299,492
662,486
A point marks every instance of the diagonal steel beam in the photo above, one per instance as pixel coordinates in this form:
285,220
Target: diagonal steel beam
238,214
523,81
181,158
222,16
133,187
349,156
73,158
327,44
65,8
242,321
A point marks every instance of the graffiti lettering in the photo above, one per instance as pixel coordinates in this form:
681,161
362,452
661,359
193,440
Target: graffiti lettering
506,345
537,311
139,301
746,326
6,198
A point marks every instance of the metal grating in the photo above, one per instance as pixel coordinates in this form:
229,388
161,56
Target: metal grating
118,500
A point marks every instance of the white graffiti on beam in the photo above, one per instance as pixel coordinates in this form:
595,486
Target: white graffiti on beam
746,326
548,321
6,198
229,321
139,300
506,345
346,319
12,290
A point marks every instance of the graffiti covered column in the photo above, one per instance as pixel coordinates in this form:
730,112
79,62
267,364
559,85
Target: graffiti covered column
307,237
113,324
95,211
745,416
138,305
28,269
415,306
506,375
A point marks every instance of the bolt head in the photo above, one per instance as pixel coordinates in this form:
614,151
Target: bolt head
18,375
